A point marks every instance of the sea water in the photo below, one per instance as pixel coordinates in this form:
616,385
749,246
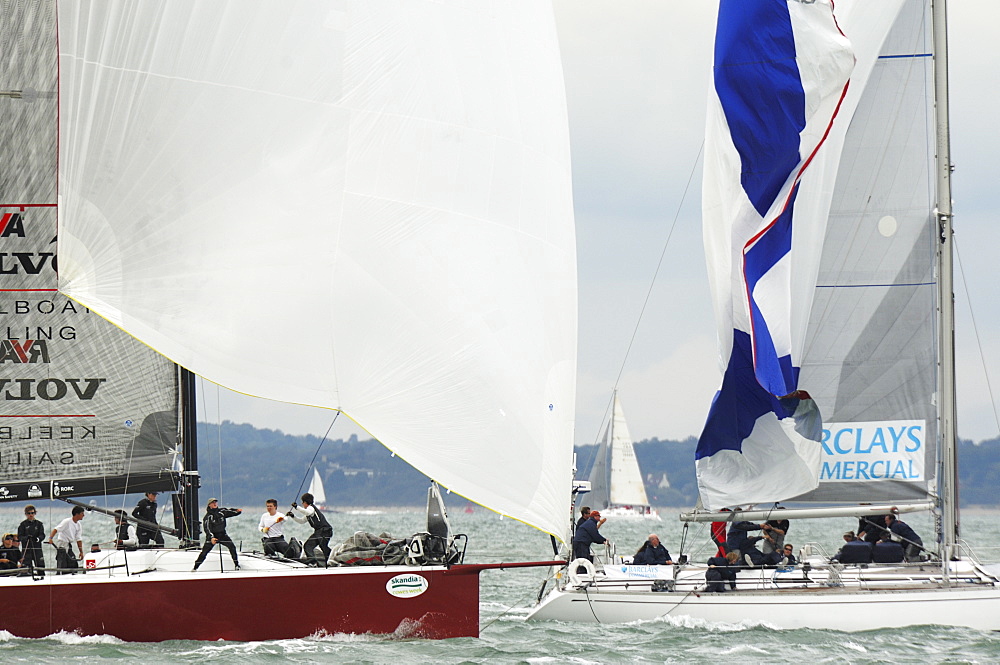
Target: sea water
507,596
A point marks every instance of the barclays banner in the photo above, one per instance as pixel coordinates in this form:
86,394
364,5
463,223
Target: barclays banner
873,451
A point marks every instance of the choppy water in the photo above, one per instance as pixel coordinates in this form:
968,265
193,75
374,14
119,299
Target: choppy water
507,596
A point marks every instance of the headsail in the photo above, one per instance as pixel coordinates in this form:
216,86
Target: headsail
781,73
378,221
85,408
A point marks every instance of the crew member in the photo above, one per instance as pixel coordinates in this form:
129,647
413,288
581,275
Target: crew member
322,531
652,553
31,533
125,533
66,533
10,556
145,510
214,524
586,535
273,529
901,531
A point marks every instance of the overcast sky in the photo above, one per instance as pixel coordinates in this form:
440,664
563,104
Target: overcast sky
637,74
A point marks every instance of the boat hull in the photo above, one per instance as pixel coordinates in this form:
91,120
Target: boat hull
835,609
245,605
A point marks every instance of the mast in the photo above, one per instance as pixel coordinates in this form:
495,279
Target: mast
187,512
948,481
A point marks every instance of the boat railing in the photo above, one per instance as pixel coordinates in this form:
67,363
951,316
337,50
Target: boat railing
965,550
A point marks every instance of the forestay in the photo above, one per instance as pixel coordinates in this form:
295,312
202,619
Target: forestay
362,206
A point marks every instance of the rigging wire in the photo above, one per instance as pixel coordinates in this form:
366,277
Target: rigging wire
315,455
975,330
649,292
659,264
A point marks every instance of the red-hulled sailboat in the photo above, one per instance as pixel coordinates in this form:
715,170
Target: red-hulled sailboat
363,206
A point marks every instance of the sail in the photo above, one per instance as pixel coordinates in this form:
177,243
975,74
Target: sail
316,489
85,408
363,206
781,72
627,488
871,352
615,478
599,495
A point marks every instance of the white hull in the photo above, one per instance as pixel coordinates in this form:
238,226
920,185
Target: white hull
622,512
870,598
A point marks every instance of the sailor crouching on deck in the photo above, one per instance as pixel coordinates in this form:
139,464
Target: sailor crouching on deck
214,524
322,531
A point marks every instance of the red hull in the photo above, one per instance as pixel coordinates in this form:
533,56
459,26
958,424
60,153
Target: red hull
246,606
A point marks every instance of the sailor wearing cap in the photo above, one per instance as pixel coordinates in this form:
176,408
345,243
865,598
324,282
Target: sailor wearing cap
10,556
586,535
214,524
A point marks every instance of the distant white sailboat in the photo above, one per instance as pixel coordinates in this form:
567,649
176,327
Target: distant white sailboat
617,488
318,491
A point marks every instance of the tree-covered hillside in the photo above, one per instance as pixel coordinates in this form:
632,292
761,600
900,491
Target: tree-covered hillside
260,463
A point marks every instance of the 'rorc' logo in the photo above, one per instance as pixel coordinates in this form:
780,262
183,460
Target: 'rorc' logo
28,351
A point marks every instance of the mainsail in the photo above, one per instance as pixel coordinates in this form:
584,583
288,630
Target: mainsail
86,408
871,351
378,221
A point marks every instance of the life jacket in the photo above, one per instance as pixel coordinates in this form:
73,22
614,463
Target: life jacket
121,531
317,521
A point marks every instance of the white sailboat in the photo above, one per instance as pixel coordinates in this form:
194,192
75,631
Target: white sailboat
830,261
317,489
617,488
371,214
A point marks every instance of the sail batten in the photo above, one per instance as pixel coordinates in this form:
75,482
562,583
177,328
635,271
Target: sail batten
379,221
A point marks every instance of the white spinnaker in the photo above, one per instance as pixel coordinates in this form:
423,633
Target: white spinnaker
627,488
362,205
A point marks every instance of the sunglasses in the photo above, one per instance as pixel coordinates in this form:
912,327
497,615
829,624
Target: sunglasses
30,512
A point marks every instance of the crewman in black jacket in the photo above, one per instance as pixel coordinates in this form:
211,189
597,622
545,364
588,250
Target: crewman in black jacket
322,531
214,524
146,510
31,533
10,556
